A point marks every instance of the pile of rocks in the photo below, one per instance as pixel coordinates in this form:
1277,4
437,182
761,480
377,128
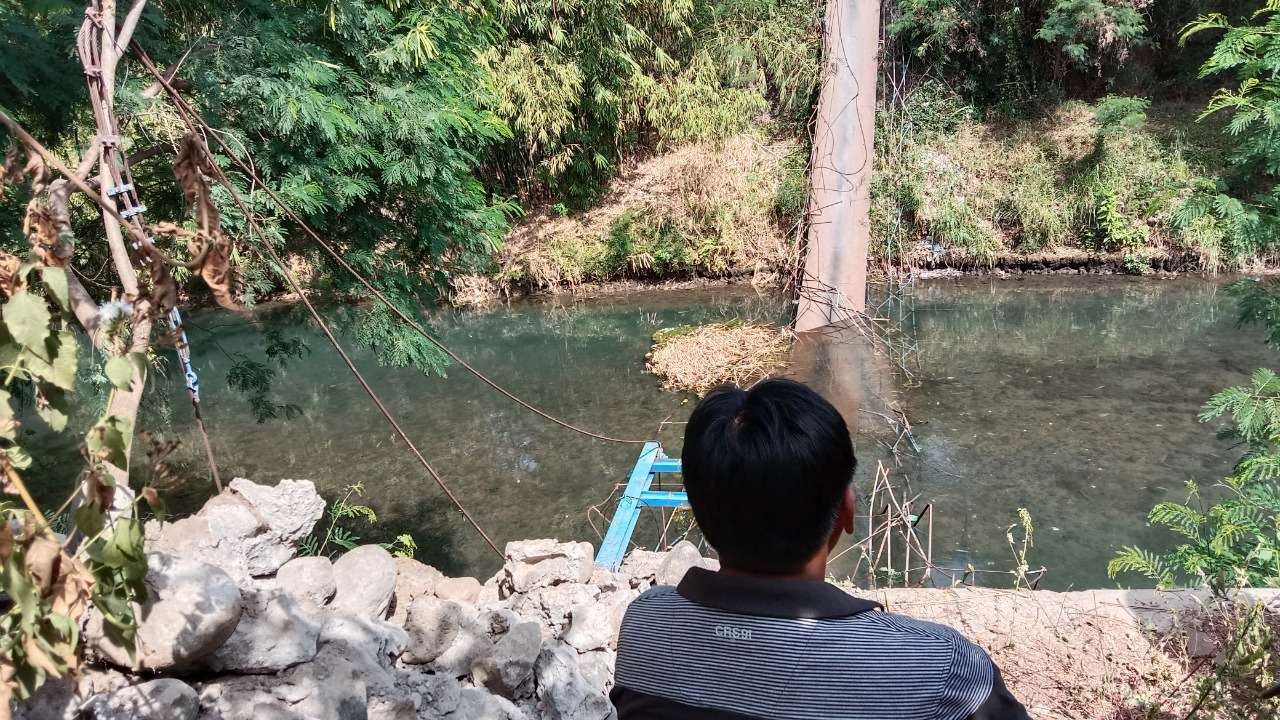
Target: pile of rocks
236,626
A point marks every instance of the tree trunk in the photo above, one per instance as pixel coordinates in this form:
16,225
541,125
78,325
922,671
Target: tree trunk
834,285
100,55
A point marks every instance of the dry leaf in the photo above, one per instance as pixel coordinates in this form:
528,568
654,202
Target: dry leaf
210,249
71,592
10,280
42,561
6,540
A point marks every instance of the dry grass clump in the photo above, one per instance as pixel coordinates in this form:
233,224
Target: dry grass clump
697,358
702,209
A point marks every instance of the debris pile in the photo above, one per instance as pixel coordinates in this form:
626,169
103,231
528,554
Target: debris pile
696,358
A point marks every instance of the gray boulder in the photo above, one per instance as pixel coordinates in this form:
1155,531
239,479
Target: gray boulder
508,666
276,631
162,699
191,609
413,580
432,626
641,567
330,687
366,580
474,703
563,692
373,643
679,559
465,590
597,668
595,625
434,695
551,606
308,577
249,530
540,563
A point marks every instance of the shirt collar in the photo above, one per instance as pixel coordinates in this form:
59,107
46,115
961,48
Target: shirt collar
770,597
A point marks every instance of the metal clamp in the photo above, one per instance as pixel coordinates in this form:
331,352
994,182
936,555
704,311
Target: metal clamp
114,191
130,212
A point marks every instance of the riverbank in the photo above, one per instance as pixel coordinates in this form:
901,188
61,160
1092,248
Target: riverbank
237,626
1101,188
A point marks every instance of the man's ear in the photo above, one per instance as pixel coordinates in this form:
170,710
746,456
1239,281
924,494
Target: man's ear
847,507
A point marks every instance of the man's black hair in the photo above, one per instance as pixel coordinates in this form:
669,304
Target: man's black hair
766,470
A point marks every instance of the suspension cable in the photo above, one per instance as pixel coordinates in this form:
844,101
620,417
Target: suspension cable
289,277
189,115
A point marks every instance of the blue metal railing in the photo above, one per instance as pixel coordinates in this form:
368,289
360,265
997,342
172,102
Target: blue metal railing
636,497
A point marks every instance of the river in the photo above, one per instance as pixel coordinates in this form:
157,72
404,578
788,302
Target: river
1075,398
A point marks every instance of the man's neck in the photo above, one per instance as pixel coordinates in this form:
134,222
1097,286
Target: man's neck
815,569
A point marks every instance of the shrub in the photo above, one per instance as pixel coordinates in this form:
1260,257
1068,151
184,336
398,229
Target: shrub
1121,111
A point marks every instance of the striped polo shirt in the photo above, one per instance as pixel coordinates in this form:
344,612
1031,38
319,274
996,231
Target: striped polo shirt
726,647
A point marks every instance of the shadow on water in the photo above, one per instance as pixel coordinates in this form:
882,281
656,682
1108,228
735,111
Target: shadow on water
1075,398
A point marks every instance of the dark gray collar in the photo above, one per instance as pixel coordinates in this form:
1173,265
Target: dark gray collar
753,595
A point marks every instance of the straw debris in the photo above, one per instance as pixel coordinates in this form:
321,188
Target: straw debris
696,358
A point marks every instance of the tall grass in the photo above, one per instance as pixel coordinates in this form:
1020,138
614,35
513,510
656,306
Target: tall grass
1080,177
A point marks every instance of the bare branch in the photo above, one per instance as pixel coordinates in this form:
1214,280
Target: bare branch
128,26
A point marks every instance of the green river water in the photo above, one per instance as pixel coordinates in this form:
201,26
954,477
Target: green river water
1073,397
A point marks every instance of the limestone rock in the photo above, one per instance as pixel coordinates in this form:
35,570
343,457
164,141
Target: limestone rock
507,668
432,626
275,632
191,609
330,687
473,642
540,563
373,643
608,581
594,626
308,577
290,508
366,580
551,606
413,580
465,590
161,699
434,695
641,566
476,703
597,668
679,559
249,530
563,692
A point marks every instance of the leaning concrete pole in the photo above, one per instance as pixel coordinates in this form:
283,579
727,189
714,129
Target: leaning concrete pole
835,262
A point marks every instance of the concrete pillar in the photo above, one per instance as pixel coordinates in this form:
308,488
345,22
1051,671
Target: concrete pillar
835,262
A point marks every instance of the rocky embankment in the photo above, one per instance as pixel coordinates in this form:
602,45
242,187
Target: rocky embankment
237,626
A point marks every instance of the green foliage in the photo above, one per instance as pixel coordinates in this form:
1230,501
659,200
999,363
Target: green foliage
48,586
32,34
1112,228
1237,213
1121,111
338,538
580,82
1135,263
1091,32
790,200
